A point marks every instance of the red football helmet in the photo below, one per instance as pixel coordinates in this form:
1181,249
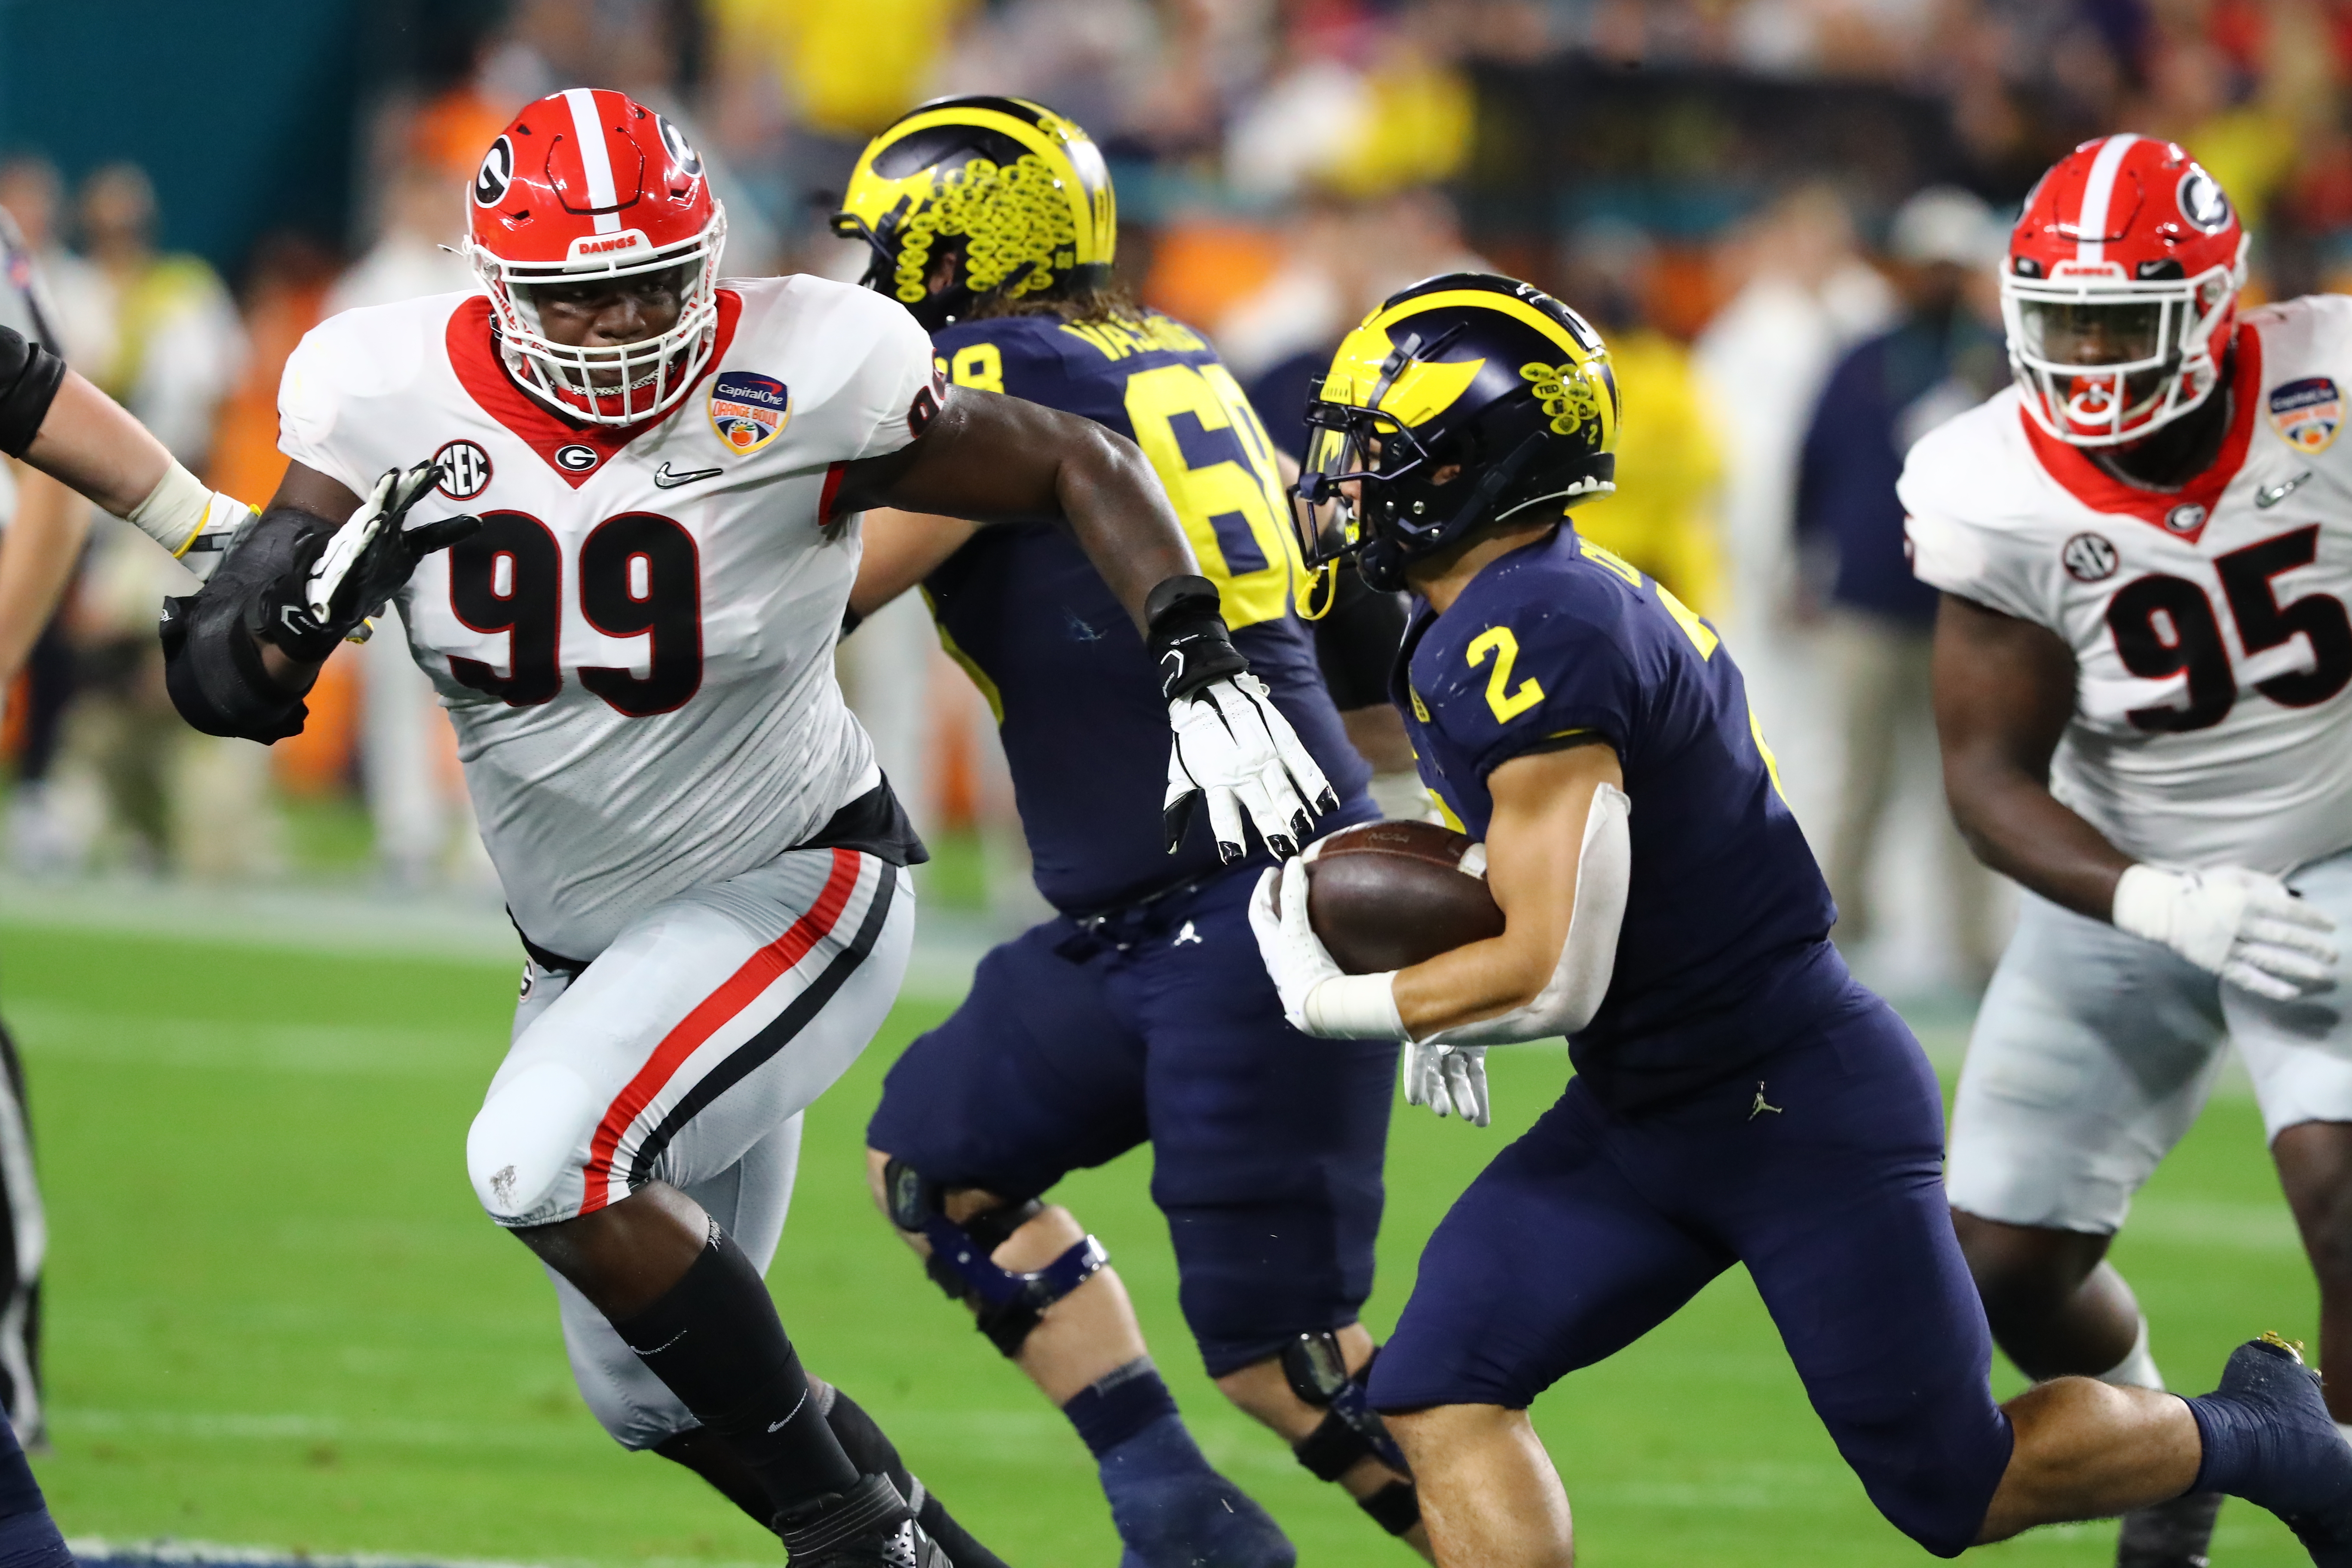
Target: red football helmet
589,183
2120,291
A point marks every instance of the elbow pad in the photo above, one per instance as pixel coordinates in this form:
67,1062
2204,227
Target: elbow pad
1587,959
29,378
212,662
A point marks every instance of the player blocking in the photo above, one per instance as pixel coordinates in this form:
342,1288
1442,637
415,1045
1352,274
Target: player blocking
617,501
1738,1096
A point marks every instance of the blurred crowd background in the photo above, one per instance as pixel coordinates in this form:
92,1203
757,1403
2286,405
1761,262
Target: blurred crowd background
1782,213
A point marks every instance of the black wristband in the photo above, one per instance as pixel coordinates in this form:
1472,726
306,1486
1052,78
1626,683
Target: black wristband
1187,637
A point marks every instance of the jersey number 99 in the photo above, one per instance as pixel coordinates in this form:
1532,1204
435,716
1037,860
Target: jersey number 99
639,575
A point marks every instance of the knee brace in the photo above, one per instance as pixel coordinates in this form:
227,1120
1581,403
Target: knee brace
1010,1305
1352,1430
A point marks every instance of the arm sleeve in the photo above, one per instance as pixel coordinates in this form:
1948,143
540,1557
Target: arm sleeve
29,378
310,411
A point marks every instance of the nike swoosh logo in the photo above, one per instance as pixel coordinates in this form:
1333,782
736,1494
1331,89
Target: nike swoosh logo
2271,495
665,480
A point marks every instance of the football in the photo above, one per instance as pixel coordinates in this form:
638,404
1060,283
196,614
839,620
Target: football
1388,894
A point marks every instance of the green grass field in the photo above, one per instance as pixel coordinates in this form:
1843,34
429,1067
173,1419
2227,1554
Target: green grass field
277,1316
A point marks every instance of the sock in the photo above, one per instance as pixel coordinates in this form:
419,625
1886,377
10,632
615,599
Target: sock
715,1340
870,1450
2266,1436
1170,1506
1119,1404
2136,1370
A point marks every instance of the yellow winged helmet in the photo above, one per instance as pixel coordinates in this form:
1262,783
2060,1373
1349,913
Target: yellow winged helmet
1465,401
966,197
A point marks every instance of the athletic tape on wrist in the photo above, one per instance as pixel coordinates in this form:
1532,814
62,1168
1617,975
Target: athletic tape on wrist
174,512
1355,1008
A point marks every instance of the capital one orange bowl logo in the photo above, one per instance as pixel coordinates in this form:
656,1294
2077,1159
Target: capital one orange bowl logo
748,410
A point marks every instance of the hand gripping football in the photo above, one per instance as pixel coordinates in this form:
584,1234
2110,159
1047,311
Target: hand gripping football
1389,894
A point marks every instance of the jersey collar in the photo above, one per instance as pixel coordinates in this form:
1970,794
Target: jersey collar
2182,513
474,355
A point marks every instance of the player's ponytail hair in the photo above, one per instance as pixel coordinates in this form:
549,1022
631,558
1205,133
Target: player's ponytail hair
1078,304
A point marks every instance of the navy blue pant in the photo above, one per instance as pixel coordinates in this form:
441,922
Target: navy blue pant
1819,1168
1074,1046
28,1537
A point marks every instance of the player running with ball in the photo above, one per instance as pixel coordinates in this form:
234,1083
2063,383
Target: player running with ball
624,559
1738,1097
2141,676
1120,1020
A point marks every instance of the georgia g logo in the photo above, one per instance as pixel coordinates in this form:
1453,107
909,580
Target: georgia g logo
496,172
2202,201
688,160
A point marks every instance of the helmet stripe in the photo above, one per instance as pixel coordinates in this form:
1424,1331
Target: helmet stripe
2098,191
594,157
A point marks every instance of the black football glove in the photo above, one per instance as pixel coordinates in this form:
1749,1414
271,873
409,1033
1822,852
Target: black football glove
341,578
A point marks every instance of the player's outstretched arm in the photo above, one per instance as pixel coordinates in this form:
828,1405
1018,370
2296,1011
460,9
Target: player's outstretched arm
2004,691
987,458
61,425
241,652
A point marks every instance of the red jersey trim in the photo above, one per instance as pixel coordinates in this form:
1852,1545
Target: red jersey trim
2102,491
831,493
472,344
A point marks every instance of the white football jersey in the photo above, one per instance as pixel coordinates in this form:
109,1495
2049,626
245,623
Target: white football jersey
637,648
2212,724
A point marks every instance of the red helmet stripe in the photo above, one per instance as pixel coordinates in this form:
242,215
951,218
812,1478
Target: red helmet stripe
595,158
2091,225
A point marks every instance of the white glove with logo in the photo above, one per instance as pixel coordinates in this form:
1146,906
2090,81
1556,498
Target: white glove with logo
1233,748
1319,1000
2243,925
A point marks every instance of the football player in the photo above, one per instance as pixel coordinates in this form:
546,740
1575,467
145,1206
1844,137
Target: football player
2145,548
1738,1097
616,502
73,434
1119,1021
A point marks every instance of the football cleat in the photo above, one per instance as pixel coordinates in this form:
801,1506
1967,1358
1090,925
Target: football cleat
2300,1469
2175,1534
871,1526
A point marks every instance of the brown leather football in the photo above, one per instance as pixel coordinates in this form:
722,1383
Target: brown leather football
1388,894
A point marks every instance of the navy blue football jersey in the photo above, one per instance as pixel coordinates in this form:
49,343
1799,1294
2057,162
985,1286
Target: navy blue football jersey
1022,609
1723,952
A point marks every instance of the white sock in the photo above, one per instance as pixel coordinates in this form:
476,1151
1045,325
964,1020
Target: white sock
2137,1370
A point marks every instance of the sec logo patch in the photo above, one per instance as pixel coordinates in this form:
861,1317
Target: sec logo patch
466,471
748,410
2089,558
2306,413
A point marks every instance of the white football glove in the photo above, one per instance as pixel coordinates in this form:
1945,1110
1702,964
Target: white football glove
1233,748
1316,998
1449,1079
2243,925
1319,1000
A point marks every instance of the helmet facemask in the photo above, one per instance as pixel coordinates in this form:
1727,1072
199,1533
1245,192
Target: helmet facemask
2102,359
617,383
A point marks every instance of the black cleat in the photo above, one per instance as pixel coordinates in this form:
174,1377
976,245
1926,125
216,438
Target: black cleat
2175,1534
2300,1469
871,1526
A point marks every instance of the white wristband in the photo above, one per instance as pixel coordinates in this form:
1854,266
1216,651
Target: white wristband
1354,1007
173,513
2145,897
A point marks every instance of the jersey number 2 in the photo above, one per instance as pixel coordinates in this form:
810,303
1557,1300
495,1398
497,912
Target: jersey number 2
640,576
2165,626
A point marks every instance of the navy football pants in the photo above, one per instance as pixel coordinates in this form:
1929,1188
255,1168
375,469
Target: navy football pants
1074,1046
1819,1168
